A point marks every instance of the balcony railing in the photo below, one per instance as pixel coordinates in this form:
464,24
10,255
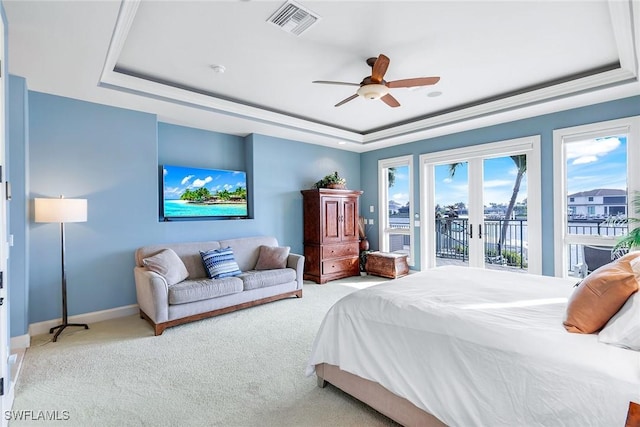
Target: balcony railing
590,228
452,236
452,241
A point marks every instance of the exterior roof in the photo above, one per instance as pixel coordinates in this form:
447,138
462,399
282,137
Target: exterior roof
600,192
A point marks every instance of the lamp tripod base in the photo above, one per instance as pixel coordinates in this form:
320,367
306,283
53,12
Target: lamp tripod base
60,328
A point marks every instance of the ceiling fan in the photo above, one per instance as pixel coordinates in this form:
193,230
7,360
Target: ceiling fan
375,87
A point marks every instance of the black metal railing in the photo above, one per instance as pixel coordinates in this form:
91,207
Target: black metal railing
452,242
452,239
602,228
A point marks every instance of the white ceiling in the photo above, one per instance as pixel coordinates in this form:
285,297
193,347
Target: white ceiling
497,61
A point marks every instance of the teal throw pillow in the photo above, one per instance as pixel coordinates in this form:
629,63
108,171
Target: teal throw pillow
220,263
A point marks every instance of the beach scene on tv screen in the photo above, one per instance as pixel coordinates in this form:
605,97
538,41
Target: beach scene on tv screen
193,192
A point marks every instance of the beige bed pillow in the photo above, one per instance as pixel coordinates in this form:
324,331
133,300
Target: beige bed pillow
272,257
600,295
167,264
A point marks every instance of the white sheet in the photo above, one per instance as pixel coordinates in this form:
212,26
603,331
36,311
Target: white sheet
480,348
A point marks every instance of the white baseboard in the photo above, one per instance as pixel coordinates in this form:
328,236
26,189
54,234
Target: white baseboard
96,316
22,341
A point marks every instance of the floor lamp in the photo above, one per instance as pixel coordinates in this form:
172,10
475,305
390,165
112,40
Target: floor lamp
61,211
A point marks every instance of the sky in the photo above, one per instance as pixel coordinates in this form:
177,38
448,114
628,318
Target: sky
597,163
591,164
179,178
499,178
400,190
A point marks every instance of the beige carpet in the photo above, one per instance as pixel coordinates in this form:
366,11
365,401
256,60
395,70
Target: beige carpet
240,369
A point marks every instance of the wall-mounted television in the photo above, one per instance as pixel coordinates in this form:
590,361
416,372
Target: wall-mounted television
192,193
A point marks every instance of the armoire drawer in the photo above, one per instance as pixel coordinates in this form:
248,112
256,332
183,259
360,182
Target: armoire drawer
338,251
340,265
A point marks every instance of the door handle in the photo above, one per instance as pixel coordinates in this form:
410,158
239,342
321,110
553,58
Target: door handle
479,231
471,231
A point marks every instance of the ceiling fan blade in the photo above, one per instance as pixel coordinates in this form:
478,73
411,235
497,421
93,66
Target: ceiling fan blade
379,68
419,81
390,100
344,101
328,82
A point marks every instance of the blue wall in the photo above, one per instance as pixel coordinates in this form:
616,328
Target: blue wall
283,168
540,125
110,156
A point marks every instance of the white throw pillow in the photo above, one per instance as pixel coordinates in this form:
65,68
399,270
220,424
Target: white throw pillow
623,329
167,264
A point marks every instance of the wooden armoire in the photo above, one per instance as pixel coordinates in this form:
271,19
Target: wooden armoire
331,239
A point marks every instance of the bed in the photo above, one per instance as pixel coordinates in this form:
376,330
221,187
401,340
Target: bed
461,346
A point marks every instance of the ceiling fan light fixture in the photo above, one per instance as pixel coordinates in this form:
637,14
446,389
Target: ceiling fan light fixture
373,91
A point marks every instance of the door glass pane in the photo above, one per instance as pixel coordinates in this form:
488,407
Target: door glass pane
397,235
505,212
451,200
596,180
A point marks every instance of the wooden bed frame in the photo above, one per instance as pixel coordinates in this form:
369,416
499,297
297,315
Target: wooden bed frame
397,408
376,396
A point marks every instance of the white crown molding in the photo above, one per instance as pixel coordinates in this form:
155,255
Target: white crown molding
623,22
198,100
613,84
126,15
541,95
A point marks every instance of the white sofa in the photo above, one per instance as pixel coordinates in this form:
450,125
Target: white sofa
197,297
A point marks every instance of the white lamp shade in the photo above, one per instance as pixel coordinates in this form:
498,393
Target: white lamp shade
60,210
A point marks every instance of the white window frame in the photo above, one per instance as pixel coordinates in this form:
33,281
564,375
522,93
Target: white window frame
629,126
383,207
529,145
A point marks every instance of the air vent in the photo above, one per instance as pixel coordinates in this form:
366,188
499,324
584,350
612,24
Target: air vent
293,18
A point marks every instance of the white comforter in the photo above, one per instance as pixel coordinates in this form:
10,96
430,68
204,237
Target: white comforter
480,348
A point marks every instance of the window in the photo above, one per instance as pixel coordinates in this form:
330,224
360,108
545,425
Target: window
592,164
395,185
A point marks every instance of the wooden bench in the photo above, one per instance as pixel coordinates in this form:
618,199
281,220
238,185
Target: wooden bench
388,265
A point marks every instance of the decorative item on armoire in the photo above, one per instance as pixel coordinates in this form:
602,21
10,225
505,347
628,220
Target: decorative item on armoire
333,180
362,232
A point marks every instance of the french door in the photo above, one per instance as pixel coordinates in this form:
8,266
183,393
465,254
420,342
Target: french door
481,206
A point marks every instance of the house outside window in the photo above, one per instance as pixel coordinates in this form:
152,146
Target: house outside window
596,204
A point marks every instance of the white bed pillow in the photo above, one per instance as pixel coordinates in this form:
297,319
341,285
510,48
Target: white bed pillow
623,329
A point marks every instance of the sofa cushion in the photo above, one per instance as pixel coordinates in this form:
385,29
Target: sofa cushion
272,257
167,264
255,279
246,249
220,263
189,253
197,290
